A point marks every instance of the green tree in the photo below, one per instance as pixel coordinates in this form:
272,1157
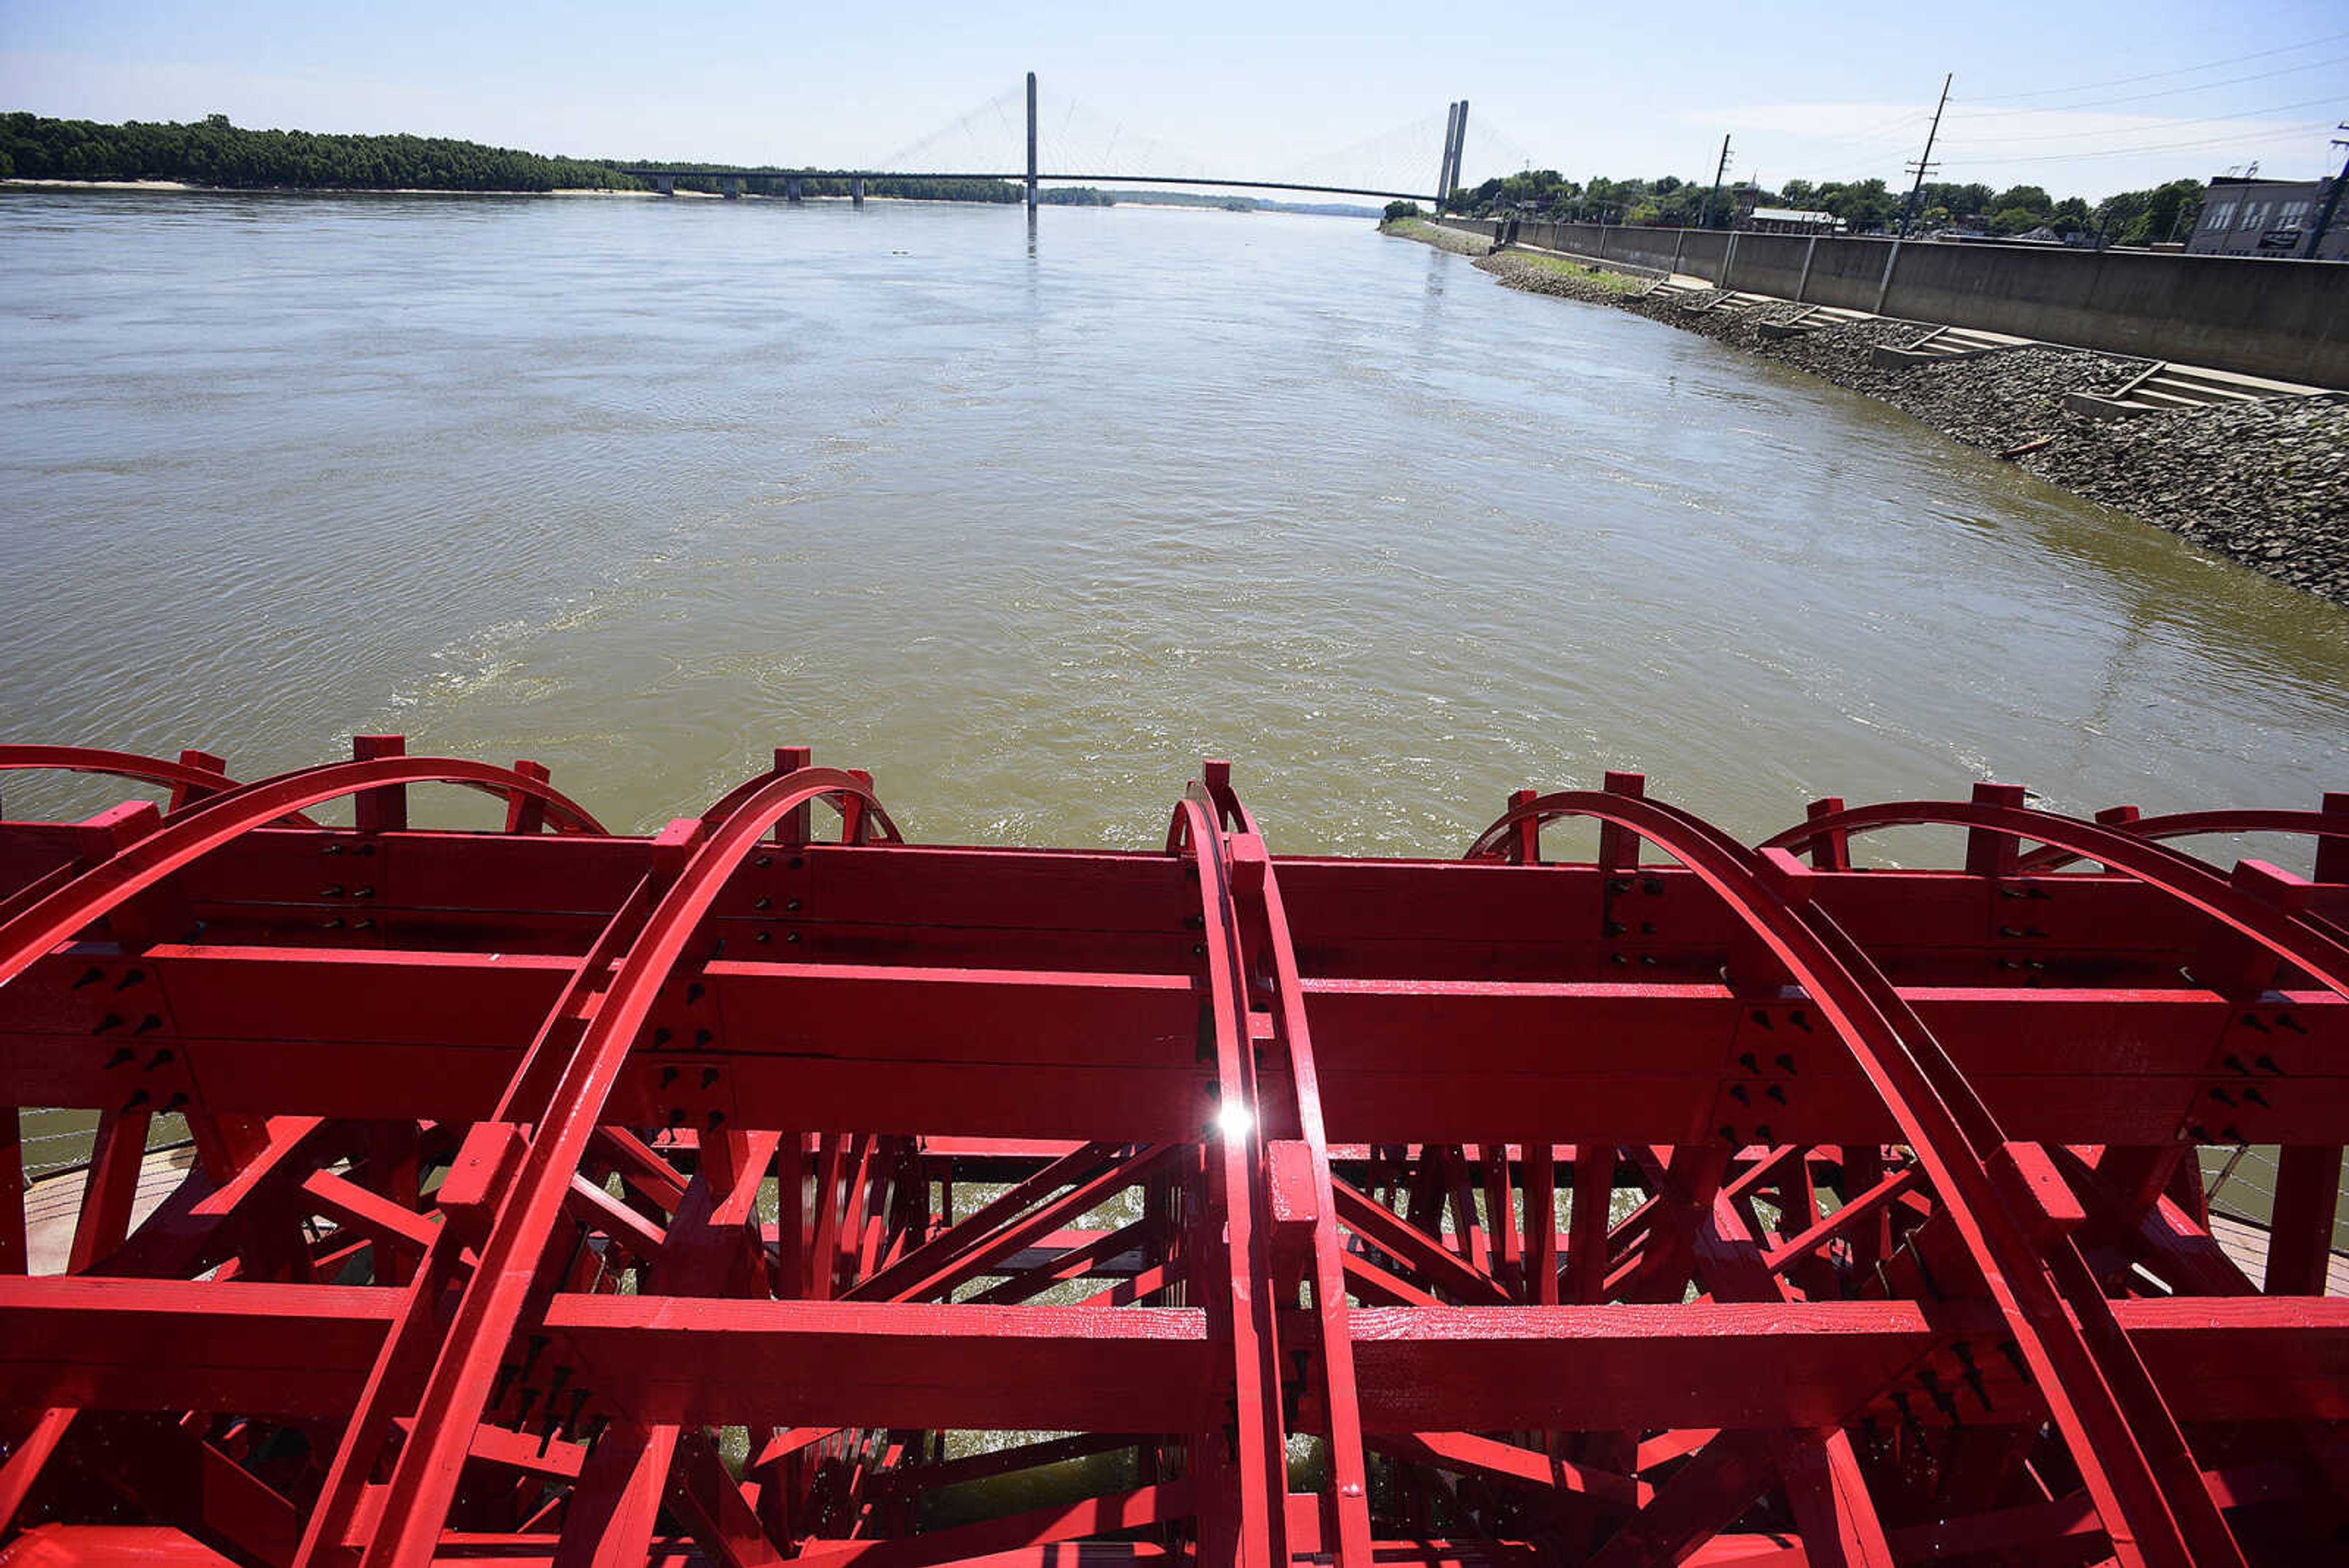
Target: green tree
1863,206
2031,198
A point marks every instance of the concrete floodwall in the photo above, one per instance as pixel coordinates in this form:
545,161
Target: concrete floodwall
1765,263
2283,318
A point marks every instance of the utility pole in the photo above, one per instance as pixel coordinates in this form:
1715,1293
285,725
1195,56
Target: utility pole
1705,219
1925,165
2332,199
1031,143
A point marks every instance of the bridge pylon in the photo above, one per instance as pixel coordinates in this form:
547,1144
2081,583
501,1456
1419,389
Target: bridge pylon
1031,143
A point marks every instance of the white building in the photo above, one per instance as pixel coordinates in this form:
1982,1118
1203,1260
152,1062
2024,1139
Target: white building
2244,217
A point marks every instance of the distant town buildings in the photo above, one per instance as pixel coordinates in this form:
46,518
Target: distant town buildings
2251,217
1789,221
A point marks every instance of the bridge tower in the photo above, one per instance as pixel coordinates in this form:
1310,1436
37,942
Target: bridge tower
1443,164
1031,142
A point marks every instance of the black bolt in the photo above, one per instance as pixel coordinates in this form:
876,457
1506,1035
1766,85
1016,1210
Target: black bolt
791,904
158,1058
1749,1060
2256,1098
1737,1092
1760,1019
2223,1097
677,1117
762,902
2235,1064
1965,1354
701,1039
1778,1094
1762,1134
1651,886
793,937
1786,1060
660,1037
137,1099
336,891
717,1118
2268,1065
111,1021
121,1054
694,993
764,938
363,893
667,1076
175,1102
333,848
2288,1021
1800,1020
797,861
1647,927
1617,884
709,1076
2251,1021
1728,1133
1615,927
763,861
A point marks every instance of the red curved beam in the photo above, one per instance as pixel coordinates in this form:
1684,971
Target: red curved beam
424,1481
1265,916
200,829
2180,824
2153,1503
133,765
2192,882
2194,824
1234,1228
859,789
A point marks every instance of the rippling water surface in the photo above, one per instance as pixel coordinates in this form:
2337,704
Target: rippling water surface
1028,521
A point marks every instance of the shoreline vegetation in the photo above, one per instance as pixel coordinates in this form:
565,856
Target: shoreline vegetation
211,154
2264,484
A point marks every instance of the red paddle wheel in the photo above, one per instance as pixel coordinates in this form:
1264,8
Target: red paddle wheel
760,1191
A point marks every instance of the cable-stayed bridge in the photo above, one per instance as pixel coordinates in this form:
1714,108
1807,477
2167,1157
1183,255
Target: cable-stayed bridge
1084,147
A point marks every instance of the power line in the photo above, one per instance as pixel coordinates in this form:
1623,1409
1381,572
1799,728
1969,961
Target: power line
2161,127
2235,140
2157,92
2155,75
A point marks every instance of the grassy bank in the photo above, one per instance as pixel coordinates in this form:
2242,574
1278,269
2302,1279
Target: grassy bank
1441,238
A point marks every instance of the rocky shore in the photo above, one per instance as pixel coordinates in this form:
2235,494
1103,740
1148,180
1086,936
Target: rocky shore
2266,483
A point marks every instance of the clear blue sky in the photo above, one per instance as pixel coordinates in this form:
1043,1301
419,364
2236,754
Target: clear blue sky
2081,96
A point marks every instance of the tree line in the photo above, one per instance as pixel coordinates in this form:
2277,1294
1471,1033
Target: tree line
2129,217
212,152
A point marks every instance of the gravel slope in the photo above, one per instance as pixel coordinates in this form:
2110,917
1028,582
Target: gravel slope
2266,483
